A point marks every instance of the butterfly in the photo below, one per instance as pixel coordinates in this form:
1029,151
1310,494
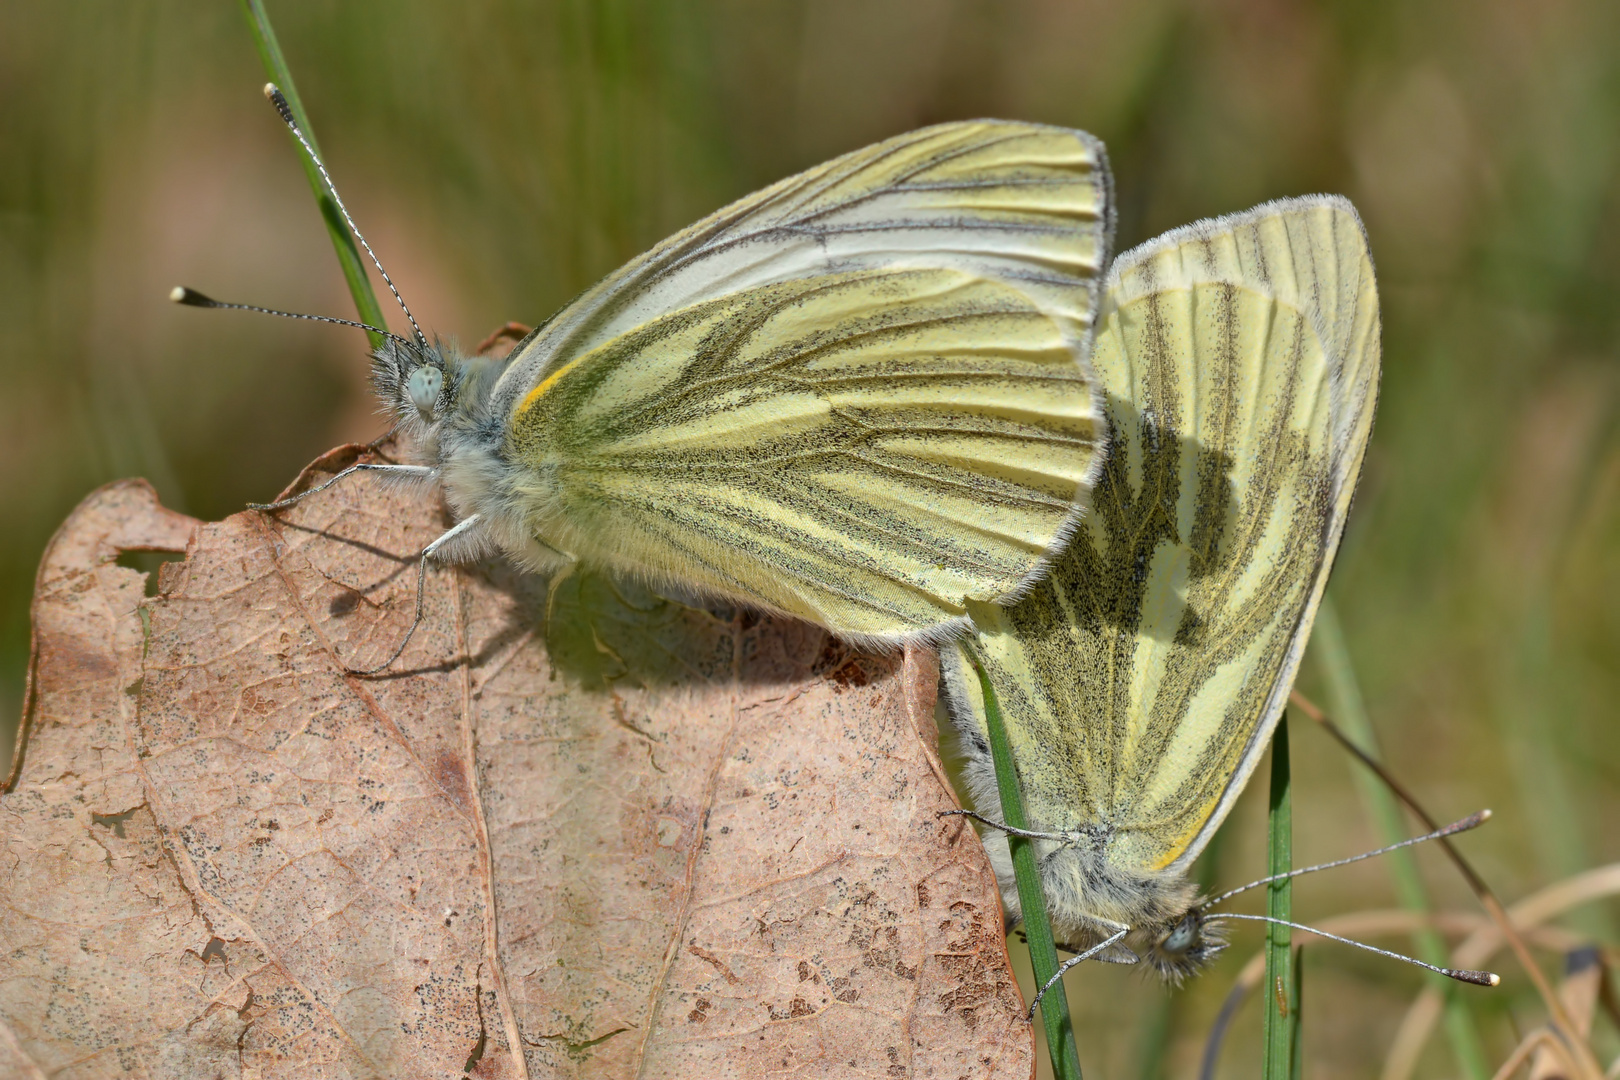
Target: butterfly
1141,680
860,396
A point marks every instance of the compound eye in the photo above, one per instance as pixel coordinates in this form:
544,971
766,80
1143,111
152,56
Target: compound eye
1183,936
423,388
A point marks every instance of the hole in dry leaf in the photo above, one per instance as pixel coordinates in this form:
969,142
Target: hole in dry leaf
477,1052
115,822
344,603
148,562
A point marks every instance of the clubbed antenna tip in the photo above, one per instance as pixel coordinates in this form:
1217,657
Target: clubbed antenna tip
1478,978
182,295
279,100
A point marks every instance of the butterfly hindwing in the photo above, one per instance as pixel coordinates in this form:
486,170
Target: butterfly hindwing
860,396
1142,679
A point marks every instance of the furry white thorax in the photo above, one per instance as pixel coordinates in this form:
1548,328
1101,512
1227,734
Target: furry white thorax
461,435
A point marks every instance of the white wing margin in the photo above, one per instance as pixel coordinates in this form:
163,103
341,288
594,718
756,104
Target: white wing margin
1025,204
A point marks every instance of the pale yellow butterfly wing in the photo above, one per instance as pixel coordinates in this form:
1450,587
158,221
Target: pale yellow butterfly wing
1141,681
860,396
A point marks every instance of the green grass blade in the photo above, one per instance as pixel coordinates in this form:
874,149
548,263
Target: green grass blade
348,253
1280,994
1345,706
1060,1040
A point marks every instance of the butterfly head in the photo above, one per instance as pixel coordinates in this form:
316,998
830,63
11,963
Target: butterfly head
416,381
1090,895
1183,947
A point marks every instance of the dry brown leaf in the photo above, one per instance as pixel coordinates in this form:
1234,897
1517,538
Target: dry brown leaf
634,840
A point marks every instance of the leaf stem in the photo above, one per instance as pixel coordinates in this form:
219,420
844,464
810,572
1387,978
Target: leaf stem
1060,1040
348,255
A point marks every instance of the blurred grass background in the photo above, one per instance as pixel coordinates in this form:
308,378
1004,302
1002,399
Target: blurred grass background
503,155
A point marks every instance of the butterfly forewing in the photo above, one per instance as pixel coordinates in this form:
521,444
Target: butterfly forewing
860,396
1141,680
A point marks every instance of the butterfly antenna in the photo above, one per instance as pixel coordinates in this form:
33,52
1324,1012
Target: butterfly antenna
1472,821
1467,975
279,100
180,294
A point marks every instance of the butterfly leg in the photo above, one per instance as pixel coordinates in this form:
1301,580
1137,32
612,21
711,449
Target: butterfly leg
428,552
1102,946
1028,834
421,472
384,437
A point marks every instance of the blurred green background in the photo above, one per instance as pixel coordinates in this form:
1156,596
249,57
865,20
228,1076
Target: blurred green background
501,156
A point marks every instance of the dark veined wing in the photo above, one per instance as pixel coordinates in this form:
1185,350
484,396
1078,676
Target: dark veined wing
859,396
1142,679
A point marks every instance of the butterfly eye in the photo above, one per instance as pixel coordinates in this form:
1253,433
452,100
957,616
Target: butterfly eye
423,388
1182,937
